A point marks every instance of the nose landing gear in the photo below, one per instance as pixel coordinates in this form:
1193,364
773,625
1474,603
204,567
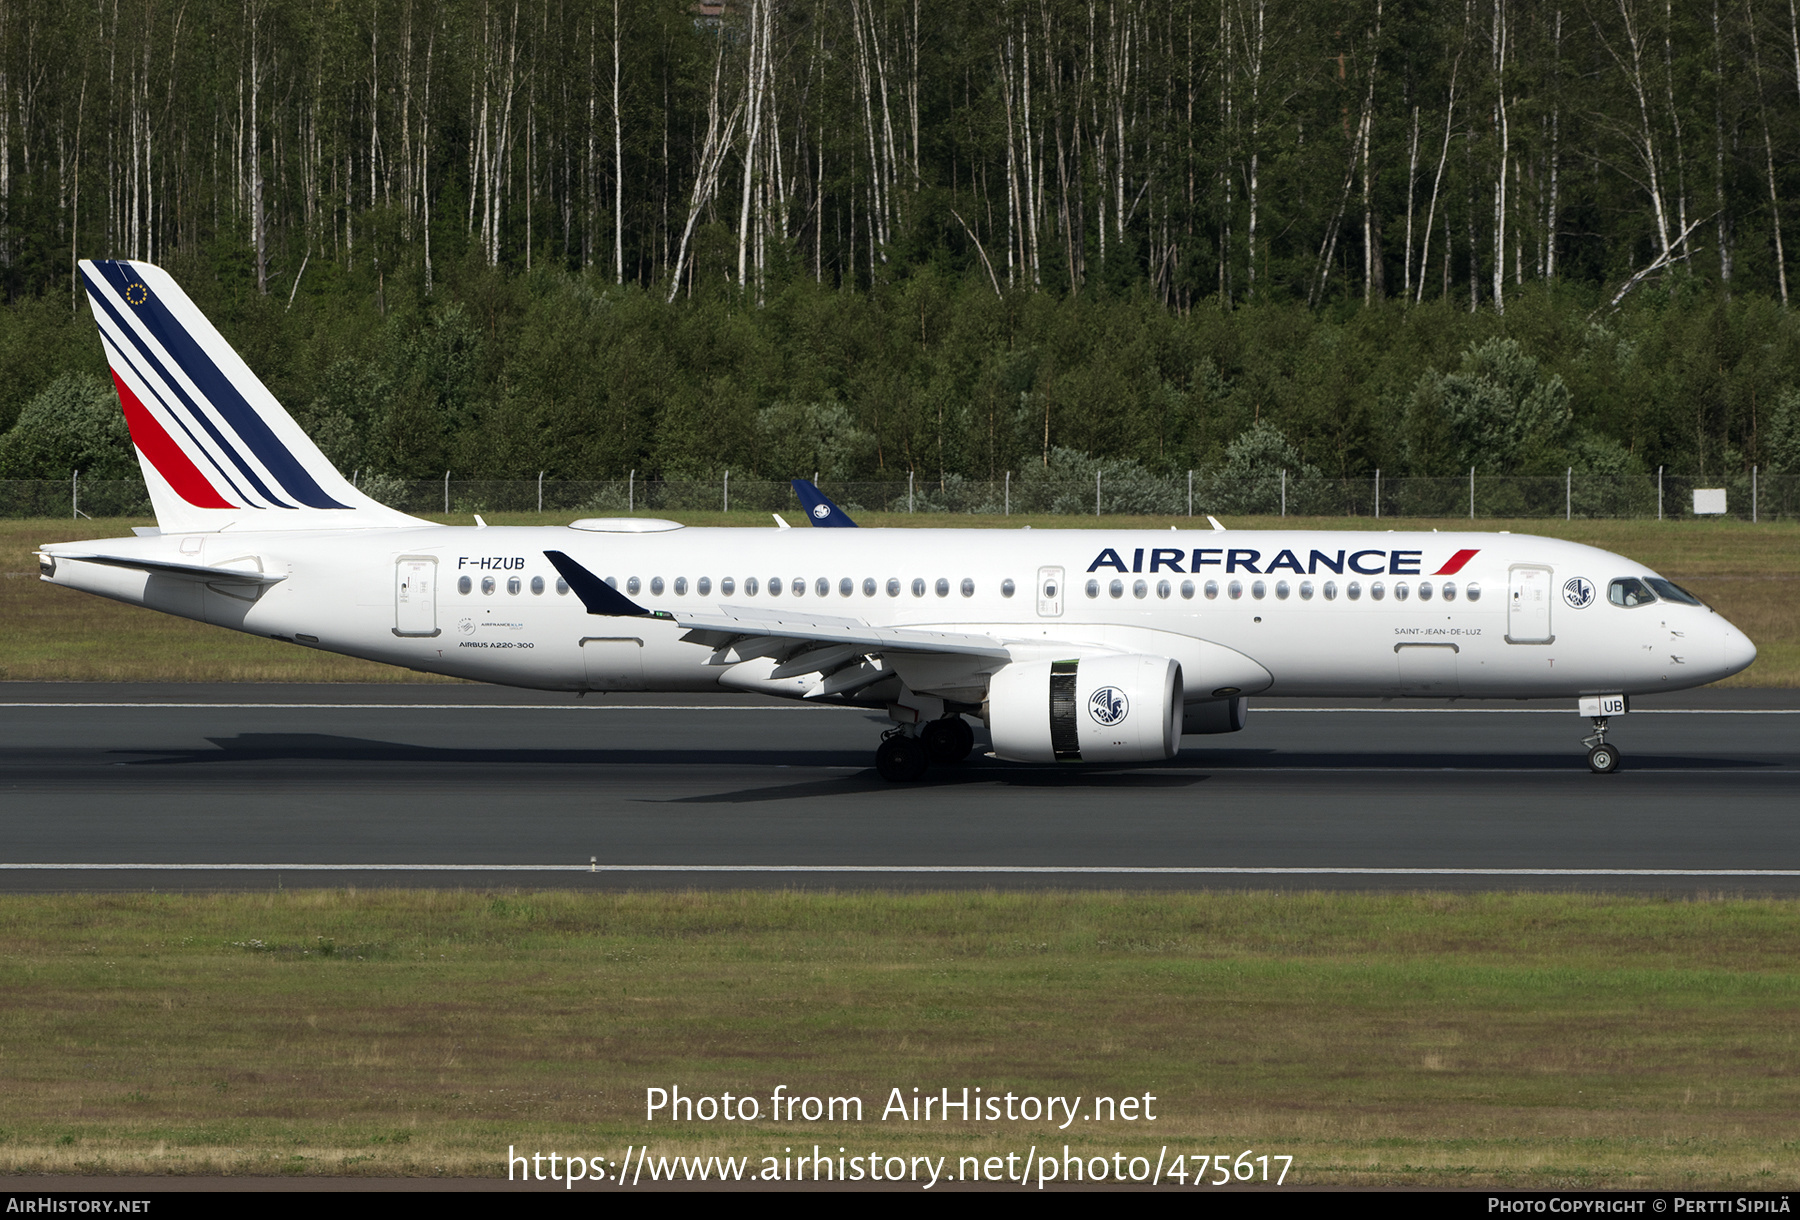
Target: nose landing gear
1602,758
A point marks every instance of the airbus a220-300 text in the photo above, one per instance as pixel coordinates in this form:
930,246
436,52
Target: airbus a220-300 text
1070,646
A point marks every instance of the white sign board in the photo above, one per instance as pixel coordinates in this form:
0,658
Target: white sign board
1709,500
1604,705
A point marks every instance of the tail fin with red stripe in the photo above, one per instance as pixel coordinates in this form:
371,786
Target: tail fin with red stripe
216,448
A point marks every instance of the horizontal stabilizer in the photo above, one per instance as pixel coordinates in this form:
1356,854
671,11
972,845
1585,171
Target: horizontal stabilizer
188,571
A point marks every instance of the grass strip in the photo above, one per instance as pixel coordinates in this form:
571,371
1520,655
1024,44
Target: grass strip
1522,1040
1750,573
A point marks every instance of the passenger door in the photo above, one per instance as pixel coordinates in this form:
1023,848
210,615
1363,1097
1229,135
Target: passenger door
415,595
1528,607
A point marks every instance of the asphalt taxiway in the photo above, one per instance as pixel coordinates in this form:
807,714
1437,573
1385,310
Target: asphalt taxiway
187,787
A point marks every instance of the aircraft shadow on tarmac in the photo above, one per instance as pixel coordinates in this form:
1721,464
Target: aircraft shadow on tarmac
1186,768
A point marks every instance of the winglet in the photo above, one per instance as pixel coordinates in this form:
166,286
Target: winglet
823,512
1217,528
598,596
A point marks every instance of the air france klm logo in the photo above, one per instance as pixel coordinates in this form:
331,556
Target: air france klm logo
1372,562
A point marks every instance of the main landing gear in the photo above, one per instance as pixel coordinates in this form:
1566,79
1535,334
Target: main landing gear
903,757
1602,758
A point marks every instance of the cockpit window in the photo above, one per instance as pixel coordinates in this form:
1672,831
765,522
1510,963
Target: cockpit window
1629,591
1670,591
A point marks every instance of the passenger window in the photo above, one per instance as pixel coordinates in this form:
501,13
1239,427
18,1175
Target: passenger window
681,586
893,586
703,586
918,586
797,586
822,587
1006,588
1330,590
868,586
1474,591
487,586
1163,590
1353,591
1139,589
562,586
514,585
656,586
1377,590
774,586
749,586
1116,588
1212,589
1629,592
728,586
1449,590
464,584
1401,592
968,587
943,587
1187,590
1258,590
1424,590
1306,590
1234,590
632,585
537,586
1281,589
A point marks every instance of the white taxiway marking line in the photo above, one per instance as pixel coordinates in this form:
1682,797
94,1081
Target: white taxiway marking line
1121,870
829,707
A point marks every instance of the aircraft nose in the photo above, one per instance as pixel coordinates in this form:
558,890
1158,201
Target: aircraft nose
1736,651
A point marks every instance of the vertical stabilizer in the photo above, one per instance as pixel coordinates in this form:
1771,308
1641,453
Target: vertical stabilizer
216,449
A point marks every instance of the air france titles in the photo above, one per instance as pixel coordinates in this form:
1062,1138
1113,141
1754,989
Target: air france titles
1371,562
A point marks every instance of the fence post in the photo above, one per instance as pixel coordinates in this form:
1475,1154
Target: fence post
446,491
1096,493
1009,493
1471,493
1190,493
909,491
74,495
540,491
1284,493
1659,471
1569,494
1753,471
727,491
631,493
1378,493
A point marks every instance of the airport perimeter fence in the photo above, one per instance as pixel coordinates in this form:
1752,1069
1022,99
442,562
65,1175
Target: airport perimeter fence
1750,497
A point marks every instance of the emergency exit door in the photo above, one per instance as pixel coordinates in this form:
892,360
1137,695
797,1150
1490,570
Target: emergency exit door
415,596
1528,607
1050,592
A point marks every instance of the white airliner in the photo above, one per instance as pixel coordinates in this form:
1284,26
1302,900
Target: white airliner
1070,646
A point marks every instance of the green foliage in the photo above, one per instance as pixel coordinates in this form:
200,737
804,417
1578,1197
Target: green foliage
1250,478
75,424
1783,445
1500,413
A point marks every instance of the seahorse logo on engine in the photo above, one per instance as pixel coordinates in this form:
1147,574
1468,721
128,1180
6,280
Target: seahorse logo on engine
1108,706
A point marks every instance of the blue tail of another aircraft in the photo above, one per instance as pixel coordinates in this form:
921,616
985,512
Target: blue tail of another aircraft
822,511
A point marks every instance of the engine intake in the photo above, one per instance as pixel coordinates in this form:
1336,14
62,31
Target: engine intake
1093,709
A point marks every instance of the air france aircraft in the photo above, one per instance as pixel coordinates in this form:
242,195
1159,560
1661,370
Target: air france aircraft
1070,646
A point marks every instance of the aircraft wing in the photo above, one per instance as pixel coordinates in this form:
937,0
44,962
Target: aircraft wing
732,623
185,571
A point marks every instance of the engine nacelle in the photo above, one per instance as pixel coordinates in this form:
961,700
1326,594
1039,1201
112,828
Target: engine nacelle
1216,715
1095,709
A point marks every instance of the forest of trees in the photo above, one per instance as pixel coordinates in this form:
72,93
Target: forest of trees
666,235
